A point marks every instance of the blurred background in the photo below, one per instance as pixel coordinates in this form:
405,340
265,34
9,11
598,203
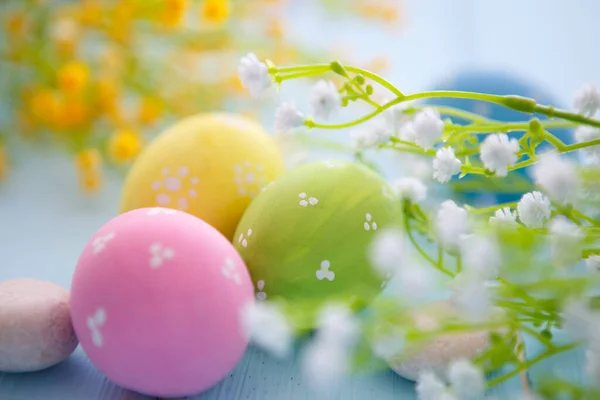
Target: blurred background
86,84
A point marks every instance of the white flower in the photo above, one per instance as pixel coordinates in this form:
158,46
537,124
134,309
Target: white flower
467,380
565,241
451,223
592,364
386,252
407,132
325,99
580,320
587,134
415,282
288,118
587,100
337,323
371,135
445,165
471,297
254,74
504,217
263,324
429,386
395,116
428,127
592,263
533,209
324,363
557,177
387,346
498,153
410,188
481,256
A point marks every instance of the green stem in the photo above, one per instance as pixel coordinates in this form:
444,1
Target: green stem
295,68
420,250
526,365
552,112
486,210
490,98
302,74
547,342
375,78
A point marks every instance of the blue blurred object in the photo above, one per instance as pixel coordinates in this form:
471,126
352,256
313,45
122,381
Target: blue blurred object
499,83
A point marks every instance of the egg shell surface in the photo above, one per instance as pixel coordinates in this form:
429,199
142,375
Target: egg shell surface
305,238
156,298
209,165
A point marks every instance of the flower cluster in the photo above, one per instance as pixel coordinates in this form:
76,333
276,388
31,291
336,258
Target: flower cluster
109,75
513,268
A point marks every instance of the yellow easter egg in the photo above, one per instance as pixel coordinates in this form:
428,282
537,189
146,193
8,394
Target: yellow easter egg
209,165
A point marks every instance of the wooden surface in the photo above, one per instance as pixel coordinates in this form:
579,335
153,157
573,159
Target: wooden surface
44,224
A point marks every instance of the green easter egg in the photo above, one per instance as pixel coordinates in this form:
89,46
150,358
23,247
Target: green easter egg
305,237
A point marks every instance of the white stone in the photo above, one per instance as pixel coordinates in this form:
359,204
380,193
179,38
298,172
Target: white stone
437,354
35,325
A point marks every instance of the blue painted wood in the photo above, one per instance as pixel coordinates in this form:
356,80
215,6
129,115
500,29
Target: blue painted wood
44,224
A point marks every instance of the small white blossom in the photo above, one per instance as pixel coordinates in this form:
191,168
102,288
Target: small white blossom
565,241
587,100
498,153
504,217
415,283
371,135
254,75
288,118
265,325
387,346
467,380
395,116
533,209
428,127
337,323
592,364
451,224
386,252
325,99
324,363
445,165
410,188
407,132
481,256
587,134
557,177
471,297
592,263
429,386
580,320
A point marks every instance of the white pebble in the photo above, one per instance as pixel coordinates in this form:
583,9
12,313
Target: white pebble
35,325
439,353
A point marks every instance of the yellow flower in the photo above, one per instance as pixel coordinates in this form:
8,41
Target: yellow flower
43,106
124,145
3,163
15,23
216,11
64,32
90,12
88,160
275,29
150,109
73,77
90,181
72,113
173,12
106,93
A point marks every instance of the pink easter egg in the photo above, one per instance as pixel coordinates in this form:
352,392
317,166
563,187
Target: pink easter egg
156,300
